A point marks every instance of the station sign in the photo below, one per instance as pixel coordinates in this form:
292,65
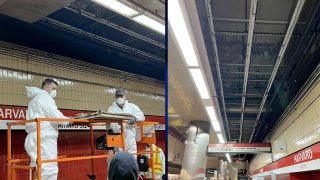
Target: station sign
307,159
247,148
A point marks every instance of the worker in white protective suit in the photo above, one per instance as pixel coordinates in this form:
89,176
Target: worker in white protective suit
42,105
159,162
121,105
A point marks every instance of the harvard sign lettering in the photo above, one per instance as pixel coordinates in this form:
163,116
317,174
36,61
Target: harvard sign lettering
12,113
304,160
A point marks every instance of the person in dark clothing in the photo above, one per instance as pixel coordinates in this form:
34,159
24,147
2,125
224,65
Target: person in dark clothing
123,166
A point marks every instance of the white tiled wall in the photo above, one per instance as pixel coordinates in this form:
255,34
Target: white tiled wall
300,129
77,90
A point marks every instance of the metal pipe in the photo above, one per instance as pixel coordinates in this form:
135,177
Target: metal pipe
123,138
141,9
253,65
39,159
99,38
233,72
231,20
285,43
9,155
215,50
116,26
228,33
252,18
253,80
235,94
92,150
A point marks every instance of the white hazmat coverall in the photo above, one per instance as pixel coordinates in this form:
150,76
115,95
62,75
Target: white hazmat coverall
42,105
129,129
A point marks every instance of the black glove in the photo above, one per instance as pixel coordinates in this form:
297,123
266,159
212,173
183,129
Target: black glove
164,177
131,121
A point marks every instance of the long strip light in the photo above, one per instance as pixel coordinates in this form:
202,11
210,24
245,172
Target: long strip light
213,118
216,126
151,23
118,7
200,83
220,138
180,30
129,12
228,157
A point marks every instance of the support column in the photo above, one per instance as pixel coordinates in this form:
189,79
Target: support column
222,170
195,152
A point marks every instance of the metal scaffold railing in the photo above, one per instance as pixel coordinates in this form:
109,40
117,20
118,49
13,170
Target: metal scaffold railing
13,164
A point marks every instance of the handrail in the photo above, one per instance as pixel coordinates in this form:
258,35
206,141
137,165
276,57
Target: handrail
90,122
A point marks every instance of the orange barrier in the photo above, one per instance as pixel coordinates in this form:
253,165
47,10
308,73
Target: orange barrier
11,163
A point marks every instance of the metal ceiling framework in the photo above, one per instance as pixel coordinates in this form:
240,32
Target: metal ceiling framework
104,35
214,44
284,46
252,19
84,8
250,58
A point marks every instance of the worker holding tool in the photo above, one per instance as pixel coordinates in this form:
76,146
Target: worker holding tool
42,105
121,105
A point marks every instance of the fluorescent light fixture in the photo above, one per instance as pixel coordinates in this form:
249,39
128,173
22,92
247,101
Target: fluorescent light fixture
118,7
228,157
150,23
221,139
216,126
200,83
181,33
213,118
211,113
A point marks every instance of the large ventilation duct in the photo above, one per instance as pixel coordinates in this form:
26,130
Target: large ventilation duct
195,153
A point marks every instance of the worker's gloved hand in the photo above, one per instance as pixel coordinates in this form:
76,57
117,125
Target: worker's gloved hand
131,121
135,118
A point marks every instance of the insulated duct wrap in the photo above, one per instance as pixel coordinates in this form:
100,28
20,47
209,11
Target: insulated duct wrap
195,153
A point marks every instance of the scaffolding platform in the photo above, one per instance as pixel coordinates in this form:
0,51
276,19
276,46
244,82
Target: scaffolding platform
100,118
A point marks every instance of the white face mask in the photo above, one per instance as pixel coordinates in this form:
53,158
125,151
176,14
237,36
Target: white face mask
53,93
120,101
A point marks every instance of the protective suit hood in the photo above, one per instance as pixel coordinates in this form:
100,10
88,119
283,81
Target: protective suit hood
34,91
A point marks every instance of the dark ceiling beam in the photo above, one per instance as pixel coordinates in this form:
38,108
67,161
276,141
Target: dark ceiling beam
216,59
234,72
236,104
253,80
252,19
253,65
246,95
236,119
237,33
283,48
246,110
120,46
115,26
